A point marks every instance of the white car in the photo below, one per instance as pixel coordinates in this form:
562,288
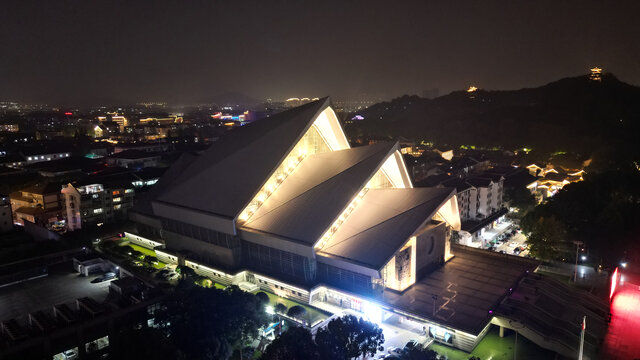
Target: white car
70,354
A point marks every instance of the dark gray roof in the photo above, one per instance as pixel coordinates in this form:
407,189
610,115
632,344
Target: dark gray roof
382,222
459,184
467,287
133,154
314,195
479,182
226,176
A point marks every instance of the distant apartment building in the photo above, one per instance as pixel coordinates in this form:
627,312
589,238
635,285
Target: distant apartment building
134,159
6,217
7,126
36,154
41,204
478,197
89,203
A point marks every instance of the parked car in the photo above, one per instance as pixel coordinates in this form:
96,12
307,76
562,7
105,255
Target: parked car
394,351
516,251
70,354
411,344
105,277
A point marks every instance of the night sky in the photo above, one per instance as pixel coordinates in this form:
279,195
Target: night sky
89,51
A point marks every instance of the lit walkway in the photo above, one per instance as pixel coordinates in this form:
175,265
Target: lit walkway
621,342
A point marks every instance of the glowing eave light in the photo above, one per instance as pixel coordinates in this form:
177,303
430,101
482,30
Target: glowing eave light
341,219
472,89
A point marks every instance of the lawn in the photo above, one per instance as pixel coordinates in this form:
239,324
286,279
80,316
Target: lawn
145,251
313,314
496,348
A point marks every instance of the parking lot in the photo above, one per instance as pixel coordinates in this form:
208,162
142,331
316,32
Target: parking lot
62,285
505,238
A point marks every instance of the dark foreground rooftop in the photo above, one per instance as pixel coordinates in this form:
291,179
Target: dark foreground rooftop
467,288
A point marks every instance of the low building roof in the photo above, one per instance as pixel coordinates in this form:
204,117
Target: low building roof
472,226
133,154
43,189
467,287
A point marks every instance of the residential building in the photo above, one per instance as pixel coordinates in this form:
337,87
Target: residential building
40,203
93,202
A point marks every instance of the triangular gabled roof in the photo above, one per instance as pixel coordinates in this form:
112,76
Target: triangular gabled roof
383,222
226,176
315,194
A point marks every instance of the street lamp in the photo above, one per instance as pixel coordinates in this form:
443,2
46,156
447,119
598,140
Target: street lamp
575,271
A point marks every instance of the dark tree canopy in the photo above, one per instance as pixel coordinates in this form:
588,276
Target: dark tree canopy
603,212
349,337
208,323
294,344
263,297
296,311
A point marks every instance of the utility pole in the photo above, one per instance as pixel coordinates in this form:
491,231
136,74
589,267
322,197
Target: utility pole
575,271
584,328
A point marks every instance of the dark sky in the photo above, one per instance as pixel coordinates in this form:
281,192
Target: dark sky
86,51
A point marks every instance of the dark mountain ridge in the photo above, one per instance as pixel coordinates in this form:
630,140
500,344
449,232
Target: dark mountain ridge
576,115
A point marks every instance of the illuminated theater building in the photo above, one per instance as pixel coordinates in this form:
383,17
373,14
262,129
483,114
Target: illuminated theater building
284,204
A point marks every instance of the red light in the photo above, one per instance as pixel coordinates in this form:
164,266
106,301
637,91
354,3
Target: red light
614,282
68,113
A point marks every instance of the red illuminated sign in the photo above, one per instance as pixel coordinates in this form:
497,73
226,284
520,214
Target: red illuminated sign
68,113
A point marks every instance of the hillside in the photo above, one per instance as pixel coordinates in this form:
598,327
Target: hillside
576,115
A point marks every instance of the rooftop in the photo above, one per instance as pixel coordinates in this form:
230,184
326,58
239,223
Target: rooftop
241,152
315,194
383,222
133,154
467,288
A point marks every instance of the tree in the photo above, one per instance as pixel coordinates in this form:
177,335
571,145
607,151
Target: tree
296,312
294,344
474,358
546,238
137,255
150,259
280,308
208,323
263,297
349,337
185,271
419,352
519,198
